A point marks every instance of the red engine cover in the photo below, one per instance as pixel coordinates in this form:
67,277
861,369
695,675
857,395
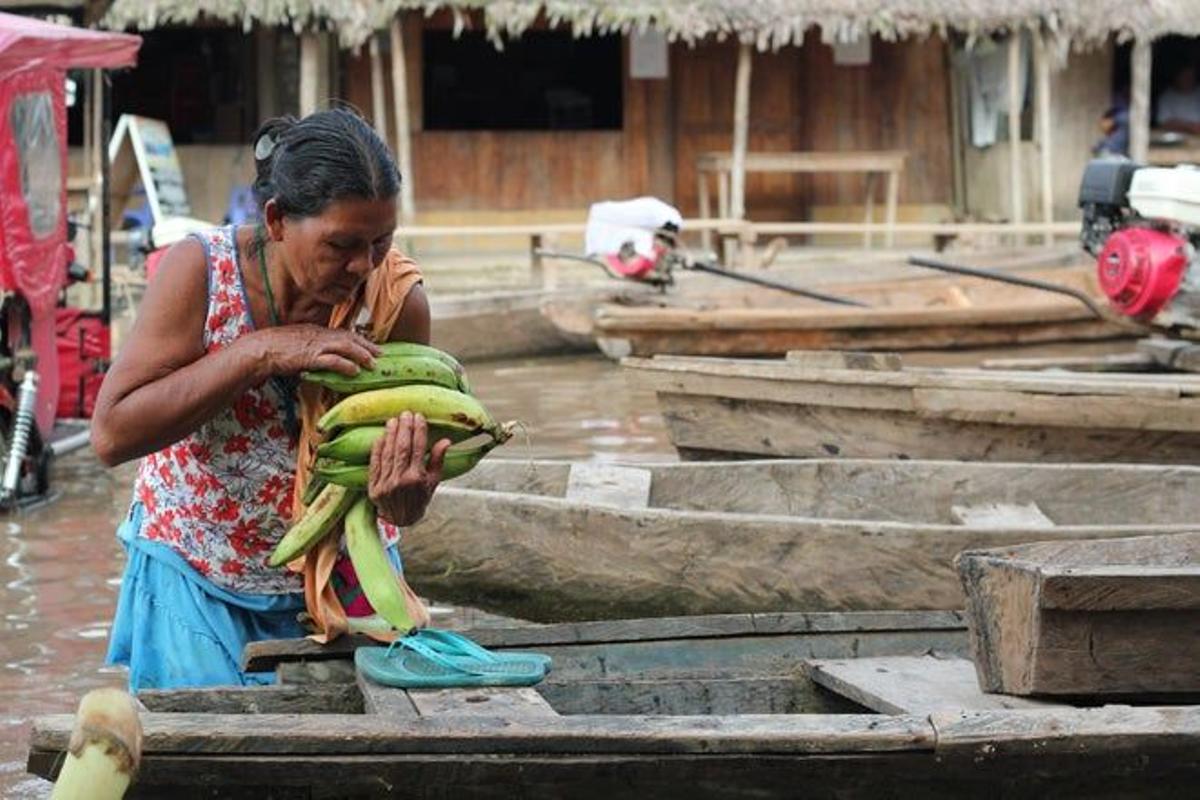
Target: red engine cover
1140,270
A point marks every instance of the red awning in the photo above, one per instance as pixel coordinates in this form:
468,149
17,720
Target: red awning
26,42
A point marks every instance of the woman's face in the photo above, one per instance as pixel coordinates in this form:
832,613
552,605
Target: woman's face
329,255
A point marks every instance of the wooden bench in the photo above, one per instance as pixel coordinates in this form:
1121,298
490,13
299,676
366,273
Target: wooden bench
889,163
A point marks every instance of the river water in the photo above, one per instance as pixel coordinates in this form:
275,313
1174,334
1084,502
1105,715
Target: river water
60,564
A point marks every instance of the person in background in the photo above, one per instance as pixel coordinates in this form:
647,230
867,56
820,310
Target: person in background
1179,106
1114,125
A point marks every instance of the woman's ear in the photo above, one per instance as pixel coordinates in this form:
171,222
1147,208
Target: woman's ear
273,218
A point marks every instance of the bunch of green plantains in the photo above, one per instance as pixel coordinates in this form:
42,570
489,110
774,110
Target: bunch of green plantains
406,377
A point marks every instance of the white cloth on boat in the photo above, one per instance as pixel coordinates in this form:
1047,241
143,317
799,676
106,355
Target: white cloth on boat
614,223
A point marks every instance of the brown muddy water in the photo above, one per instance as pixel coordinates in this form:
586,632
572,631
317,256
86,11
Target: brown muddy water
60,564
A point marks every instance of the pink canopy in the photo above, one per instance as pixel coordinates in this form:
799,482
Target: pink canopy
26,43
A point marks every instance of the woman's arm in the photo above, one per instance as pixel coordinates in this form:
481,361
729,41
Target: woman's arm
163,385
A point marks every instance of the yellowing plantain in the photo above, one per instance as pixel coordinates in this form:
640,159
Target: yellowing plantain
353,446
329,507
371,564
389,371
440,406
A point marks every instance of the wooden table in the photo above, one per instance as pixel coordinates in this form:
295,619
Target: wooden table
1188,152
889,163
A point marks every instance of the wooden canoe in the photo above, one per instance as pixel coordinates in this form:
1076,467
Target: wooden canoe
533,540
735,706
807,408
915,314
509,324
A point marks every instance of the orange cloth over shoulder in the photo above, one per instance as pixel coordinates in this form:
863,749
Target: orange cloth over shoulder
378,304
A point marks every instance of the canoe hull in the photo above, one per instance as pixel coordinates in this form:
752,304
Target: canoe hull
547,558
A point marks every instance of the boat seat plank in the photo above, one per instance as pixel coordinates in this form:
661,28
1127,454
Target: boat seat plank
1001,515
507,702
1121,587
609,485
385,701
910,684
270,653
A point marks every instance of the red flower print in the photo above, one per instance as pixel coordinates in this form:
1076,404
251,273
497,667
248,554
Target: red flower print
237,444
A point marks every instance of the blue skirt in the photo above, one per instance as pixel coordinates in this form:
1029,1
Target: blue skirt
173,628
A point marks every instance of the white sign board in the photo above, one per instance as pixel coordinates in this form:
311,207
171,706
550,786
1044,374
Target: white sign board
157,164
853,54
648,55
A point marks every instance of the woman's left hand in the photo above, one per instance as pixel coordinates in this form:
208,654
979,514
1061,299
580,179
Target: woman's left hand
401,483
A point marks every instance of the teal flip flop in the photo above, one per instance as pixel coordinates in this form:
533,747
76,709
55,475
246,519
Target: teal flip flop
410,664
455,645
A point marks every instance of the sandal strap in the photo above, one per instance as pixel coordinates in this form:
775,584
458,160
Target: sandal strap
458,641
422,649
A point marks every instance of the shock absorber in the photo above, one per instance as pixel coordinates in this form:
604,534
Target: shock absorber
22,427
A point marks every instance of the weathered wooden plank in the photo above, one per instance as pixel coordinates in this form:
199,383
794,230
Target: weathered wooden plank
1080,410
834,359
741,629
909,684
1121,588
266,655
1110,730
320,699
385,701
609,485
335,669
784,694
722,427
678,777
1121,362
1120,617
1001,515
1171,353
277,734
506,702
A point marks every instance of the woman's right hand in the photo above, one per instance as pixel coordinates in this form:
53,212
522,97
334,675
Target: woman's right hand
292,349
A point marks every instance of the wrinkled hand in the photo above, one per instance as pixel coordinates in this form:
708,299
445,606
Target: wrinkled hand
401,484
291,349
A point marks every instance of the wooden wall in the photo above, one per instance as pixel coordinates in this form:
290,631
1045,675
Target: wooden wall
799,100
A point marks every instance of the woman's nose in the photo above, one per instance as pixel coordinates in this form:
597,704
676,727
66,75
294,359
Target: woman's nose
360,264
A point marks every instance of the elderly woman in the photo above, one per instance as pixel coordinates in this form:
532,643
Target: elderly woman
205,393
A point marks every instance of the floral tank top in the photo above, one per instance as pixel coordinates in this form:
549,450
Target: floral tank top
222,496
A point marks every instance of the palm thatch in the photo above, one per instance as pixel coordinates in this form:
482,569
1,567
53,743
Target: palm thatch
769,24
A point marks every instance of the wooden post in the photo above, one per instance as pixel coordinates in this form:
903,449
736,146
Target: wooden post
1016,195
403,126
741,128
1042,65
378,101
1139,102
310,60
265,66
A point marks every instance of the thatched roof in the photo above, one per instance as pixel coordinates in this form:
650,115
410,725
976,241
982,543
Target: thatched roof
767,23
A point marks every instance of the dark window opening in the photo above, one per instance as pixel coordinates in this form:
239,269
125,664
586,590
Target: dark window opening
546,80
200,81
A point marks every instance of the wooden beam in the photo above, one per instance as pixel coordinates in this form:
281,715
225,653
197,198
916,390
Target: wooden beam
910,684
1042,66
741,129
1016,192
378,100
310,67
403,123
1139,103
